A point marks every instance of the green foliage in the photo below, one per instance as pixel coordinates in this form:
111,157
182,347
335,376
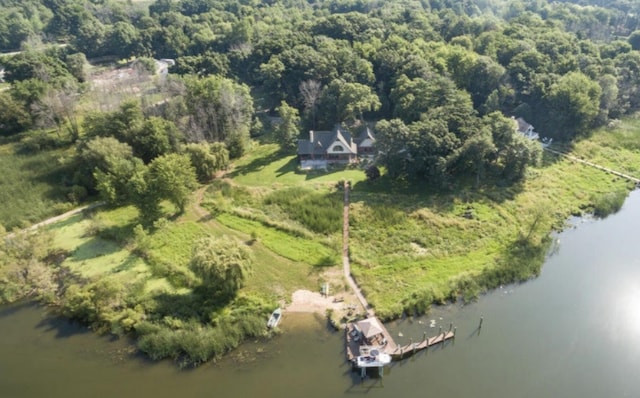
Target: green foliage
148,137
207,159
220,110
24,272
288,130
13,116
320,212
31,182
608,203
222,264
573,106
170,177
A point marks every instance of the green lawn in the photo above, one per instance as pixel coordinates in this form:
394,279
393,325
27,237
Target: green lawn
266,166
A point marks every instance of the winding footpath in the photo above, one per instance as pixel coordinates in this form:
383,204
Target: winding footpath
57,218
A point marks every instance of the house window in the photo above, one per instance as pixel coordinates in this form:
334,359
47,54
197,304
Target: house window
338,148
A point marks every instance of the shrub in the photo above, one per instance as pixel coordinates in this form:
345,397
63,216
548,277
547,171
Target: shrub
608,203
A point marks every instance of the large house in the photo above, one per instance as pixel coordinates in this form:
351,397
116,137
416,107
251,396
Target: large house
335,147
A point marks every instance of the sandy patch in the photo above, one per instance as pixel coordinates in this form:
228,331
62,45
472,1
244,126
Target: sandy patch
307,301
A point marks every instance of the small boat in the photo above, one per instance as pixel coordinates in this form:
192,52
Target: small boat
275,318
375,358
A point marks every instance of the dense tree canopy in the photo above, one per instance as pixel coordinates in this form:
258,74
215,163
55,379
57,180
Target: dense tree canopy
431,69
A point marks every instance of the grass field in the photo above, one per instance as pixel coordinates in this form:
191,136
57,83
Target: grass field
410,244
31,185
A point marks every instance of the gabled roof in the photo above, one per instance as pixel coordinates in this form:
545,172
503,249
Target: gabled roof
366,133
343,136
320,141
523,126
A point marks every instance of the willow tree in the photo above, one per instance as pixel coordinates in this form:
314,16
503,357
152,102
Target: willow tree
222,264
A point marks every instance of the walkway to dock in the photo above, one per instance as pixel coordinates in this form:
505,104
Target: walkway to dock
384,341
597,166
346,265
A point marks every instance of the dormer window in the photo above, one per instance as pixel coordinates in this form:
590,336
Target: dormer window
338,148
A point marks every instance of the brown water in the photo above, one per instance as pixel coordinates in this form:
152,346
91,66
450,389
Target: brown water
572,332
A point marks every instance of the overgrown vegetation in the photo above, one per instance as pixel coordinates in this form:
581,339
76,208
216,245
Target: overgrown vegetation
456,203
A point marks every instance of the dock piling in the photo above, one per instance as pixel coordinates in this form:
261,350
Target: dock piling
481,320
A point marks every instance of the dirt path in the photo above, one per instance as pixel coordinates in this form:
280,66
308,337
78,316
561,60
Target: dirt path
304,301
60,217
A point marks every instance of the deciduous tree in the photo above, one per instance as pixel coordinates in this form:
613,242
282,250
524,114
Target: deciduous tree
222,264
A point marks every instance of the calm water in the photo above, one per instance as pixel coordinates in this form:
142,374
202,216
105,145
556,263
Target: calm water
573,332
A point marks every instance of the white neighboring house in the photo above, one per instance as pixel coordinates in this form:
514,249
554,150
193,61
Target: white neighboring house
525,129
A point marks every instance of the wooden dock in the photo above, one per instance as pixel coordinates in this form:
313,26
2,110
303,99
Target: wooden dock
354,342
412,348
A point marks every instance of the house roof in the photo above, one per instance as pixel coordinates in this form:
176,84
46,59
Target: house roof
370,327
320,141
366,133
523,126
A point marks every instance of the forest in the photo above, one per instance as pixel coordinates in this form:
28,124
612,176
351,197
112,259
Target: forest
138,103
435,72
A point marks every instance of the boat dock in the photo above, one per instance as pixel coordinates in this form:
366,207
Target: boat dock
368,342
412,348
370,334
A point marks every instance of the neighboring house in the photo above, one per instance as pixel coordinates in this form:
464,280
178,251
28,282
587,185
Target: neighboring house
334,147
525,129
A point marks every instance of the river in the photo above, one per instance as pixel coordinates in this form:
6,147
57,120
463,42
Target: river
572,332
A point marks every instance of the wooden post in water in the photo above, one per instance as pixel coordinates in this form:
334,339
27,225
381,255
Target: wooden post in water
440,331
424,337
454,332
450,325
481,319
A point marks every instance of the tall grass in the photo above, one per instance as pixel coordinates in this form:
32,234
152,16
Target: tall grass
32,186
321,212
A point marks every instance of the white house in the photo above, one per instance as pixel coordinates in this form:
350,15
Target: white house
525,128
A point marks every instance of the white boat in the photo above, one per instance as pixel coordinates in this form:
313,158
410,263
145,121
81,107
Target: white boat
375,359
275,318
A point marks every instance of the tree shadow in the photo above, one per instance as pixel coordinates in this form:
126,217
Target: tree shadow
94,248
290,167
256,164
198,304
127,264
63,327
12,309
